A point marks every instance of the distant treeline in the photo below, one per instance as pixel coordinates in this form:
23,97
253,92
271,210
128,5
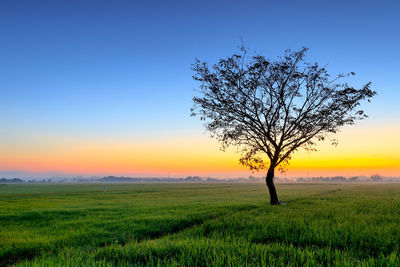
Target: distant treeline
198,179
13,180
122,179
175,180
341,179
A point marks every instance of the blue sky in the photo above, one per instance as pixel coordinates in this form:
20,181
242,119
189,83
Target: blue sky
121,69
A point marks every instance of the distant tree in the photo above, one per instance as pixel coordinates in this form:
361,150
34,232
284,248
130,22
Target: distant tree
354,179
376,178
269,109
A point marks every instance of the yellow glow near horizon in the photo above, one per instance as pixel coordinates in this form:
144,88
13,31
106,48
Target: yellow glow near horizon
360,151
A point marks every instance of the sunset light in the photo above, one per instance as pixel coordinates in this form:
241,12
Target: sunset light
80,101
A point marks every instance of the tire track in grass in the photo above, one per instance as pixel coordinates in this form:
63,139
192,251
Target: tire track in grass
15,255
314,196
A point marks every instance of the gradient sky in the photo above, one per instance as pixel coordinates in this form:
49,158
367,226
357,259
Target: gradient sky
105,87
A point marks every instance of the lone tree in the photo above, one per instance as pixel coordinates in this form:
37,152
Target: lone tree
269,109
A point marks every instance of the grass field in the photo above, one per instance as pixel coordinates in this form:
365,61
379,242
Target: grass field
199,224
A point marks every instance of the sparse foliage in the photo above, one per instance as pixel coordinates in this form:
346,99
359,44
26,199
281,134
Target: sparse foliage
269,109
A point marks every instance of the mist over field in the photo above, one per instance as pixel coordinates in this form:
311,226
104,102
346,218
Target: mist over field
197,179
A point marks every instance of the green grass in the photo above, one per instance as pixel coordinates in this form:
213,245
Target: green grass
199,224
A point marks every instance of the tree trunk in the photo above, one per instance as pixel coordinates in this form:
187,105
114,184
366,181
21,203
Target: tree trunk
271,187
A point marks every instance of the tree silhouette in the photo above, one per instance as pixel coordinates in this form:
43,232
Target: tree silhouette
269,109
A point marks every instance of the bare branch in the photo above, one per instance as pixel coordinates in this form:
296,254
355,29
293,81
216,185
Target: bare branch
273,107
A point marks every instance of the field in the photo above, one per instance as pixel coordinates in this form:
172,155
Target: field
199,224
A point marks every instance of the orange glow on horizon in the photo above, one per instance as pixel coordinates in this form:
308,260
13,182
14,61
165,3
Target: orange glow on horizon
358,153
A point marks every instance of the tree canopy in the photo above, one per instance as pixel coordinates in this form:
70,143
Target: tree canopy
268,109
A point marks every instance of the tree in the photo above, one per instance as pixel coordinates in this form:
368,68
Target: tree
376,178
270,109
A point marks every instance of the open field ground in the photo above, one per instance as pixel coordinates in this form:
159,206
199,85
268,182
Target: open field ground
199,224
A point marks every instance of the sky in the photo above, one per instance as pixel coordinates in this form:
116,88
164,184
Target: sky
105,87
